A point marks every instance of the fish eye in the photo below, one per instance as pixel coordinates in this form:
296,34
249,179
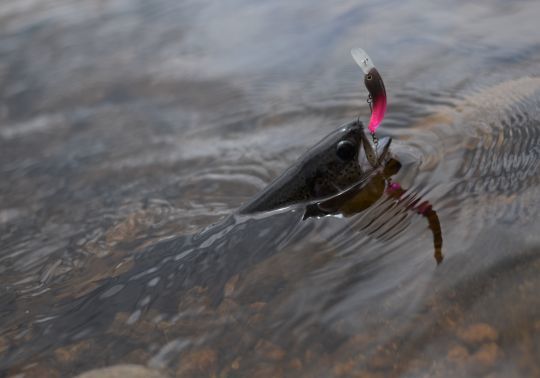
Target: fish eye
369,77
346,150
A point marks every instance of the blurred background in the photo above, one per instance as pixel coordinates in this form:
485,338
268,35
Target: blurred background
124,122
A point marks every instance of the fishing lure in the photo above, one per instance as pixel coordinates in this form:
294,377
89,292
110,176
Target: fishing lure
375,86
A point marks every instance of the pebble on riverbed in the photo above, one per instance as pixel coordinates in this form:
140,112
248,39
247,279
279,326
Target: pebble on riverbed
477,333
121,371
71,353
487,354
3,345
198,363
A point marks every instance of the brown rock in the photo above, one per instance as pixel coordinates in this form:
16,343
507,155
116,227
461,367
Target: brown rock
477,333
270,350
127,229
458,354
197,363
230,286
487,354
254,320
3,345
121,371
71,352
257,306
356,342
343,368
263,371
382,359
296,364
137,356
236,364
363,374
227,306
35,370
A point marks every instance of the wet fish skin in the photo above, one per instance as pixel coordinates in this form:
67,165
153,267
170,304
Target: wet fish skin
319,173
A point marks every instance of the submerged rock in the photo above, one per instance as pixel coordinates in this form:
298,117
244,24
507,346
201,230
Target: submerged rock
121,371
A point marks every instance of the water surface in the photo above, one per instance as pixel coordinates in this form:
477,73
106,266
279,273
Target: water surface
127,127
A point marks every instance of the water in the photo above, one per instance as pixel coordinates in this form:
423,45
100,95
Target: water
127,127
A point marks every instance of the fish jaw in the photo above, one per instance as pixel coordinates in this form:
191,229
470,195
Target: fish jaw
374,155
383,150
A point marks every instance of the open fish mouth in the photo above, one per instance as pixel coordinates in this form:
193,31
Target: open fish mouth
374,169
383,150
375,156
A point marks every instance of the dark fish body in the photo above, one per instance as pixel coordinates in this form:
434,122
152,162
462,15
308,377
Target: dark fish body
322,171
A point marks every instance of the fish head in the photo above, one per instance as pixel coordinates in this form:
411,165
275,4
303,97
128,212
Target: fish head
339,161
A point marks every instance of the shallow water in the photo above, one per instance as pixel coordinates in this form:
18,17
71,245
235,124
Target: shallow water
127,127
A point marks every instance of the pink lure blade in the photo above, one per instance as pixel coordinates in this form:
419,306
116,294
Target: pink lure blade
379,106
375,86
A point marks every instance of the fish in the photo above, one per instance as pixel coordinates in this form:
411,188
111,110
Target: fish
343,159
339,161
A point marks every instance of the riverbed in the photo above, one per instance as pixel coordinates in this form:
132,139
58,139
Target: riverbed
136,128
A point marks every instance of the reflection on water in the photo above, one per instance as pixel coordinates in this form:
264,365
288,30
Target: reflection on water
126,128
